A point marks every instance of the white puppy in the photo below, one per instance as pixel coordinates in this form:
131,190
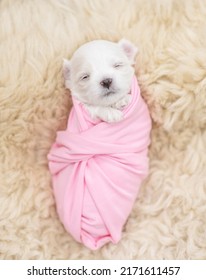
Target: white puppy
99,75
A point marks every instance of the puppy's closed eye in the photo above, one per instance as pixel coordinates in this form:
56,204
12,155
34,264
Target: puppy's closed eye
84,77
118,65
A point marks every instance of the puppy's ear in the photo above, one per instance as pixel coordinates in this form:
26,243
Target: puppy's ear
129,49
66,72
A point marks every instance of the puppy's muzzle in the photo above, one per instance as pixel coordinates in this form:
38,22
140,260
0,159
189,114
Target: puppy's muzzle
106,83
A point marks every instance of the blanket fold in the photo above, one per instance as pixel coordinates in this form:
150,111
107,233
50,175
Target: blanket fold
97,169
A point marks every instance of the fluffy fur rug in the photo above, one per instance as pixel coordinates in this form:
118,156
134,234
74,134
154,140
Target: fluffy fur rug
169,218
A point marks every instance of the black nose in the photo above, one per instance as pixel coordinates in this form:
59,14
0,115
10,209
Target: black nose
106,83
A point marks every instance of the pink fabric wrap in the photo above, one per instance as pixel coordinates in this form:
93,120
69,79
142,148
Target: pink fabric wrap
97,168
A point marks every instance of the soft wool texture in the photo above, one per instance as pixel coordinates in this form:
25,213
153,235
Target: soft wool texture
97,169
168,220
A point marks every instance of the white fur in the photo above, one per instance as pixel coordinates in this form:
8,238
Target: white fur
91,64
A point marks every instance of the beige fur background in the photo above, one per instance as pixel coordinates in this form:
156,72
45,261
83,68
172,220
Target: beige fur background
169,218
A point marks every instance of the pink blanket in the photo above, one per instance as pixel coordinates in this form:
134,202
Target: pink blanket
97,169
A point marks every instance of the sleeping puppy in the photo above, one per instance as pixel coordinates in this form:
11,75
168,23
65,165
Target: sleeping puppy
99,75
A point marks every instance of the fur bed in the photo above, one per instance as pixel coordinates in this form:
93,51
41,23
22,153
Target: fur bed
169,218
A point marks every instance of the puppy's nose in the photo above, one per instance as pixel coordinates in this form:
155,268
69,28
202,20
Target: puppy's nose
106,83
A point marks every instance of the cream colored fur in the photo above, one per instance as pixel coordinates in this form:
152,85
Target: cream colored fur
169,217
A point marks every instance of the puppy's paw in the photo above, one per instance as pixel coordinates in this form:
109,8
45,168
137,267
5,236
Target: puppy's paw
107,114
113,115
122,102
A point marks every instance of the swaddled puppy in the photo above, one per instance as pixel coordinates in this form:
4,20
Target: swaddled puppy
99,75
97,166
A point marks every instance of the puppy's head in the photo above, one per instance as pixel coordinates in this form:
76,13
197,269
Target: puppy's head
100,72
